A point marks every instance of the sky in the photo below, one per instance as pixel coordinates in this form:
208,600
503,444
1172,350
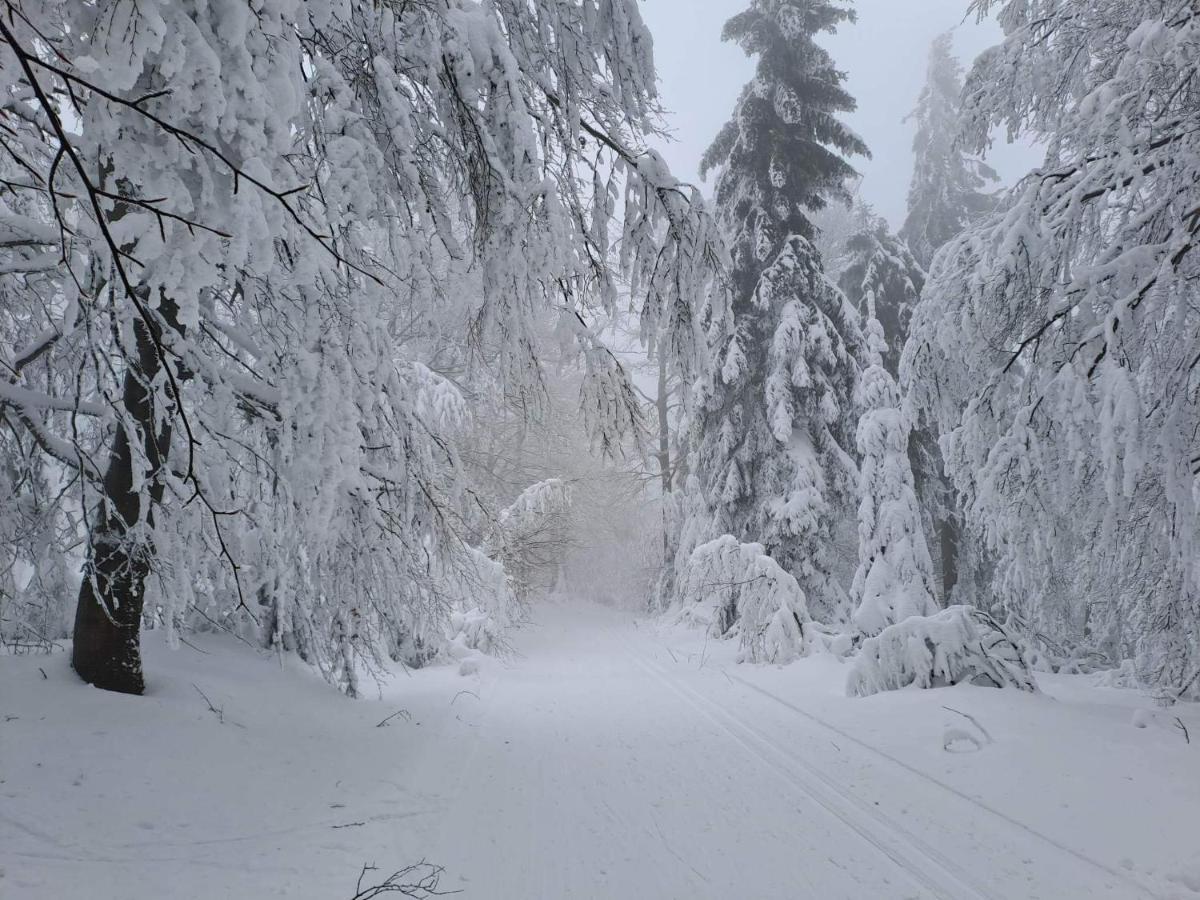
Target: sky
884,55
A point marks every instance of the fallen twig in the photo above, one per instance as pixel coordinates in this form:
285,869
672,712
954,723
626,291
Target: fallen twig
216,711
973,721
1179,724
419,881
402,713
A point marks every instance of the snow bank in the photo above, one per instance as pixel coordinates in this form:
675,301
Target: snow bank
959,644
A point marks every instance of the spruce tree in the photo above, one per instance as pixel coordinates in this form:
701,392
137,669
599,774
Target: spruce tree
947,192
894,579
883,275
774,427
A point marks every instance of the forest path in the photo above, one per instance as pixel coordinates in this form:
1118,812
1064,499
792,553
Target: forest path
607,758
602,764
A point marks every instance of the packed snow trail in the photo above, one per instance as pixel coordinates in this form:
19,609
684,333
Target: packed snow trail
606,758
603,767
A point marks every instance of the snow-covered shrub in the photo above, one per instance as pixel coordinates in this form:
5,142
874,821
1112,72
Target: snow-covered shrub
484,609
959,644
531,536
742,589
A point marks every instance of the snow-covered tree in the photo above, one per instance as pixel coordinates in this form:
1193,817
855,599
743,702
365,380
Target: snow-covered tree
773,426
531,535
894,576
884,281
836,224
948,184
228,230
1056,344
736,588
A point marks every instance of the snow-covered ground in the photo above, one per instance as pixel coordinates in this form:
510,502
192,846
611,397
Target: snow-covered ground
607,759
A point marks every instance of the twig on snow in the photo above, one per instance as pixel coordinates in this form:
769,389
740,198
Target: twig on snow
420,881
402,713
973,721
216,711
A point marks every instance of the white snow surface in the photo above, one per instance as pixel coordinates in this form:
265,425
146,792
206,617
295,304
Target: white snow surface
607,758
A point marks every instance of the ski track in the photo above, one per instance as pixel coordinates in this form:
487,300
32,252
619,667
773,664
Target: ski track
1124,879
921,862
597,764
924,861
607,767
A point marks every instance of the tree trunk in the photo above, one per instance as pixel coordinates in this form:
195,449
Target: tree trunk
107,645
664,425
948,538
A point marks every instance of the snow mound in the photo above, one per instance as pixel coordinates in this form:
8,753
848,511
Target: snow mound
736,586
959,644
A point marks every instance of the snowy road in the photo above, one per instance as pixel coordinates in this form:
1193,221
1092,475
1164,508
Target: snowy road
604,766
607,760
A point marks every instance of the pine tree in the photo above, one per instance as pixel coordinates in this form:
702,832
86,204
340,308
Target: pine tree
946,194
774,441
894,578
883,275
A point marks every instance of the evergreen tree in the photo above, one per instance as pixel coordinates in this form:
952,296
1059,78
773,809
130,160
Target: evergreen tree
894,578
947,186
883,275
774,440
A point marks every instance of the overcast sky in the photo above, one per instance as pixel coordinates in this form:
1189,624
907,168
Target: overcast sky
883,54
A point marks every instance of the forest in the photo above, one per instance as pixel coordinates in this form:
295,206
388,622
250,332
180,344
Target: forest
372,361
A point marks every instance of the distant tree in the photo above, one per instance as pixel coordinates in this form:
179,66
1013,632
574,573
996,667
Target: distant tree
947,191
774,421
884,281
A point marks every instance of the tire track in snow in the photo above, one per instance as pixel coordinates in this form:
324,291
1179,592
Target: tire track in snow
923,864
1121,877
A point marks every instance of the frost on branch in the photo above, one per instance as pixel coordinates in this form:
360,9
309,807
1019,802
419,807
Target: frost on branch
958,645
738,587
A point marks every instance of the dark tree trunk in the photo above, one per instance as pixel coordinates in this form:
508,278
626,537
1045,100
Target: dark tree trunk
948,537
107,645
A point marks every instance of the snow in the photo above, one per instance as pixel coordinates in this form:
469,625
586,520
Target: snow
605,758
